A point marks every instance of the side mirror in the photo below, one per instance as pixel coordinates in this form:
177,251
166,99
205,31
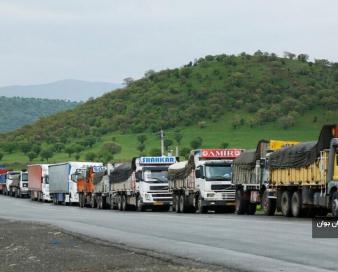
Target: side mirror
198,173
138,176
74,177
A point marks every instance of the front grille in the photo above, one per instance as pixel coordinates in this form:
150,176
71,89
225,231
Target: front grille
161,195
219,187
158,187
229,195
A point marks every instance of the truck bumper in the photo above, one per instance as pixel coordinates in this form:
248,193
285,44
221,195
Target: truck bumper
158,203
218,203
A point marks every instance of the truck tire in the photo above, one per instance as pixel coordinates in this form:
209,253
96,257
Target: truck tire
334,205
251,210
200,208
286,203
269,204
92,202
124,205
183,207
241,203
81,200
119,202
139,204
296,204
99,202
177,204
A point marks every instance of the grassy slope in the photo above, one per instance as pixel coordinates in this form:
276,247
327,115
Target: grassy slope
213,135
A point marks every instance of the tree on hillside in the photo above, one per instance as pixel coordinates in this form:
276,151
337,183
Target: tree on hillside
141,138
141,148
32,155
287,121
90,156
303,57
1,156
69,150
25,147
185,151
196,143
289,55
127,81
46,154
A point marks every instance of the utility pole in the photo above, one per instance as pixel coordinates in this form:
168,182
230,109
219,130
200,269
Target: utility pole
162,142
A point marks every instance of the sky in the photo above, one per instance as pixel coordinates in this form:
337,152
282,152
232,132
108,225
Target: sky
108,40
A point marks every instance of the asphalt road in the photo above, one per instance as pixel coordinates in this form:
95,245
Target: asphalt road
244,243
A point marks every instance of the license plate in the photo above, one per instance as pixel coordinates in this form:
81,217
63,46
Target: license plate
157,203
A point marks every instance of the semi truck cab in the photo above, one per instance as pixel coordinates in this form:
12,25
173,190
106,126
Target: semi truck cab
152,181
213,179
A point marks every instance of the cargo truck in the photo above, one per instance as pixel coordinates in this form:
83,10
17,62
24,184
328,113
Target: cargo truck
62,189
3,172
251,177
38,183
17,184
141,184
203,182
87,180
304,177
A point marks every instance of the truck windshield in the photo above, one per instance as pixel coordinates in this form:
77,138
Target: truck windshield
24,177
155,176
218,172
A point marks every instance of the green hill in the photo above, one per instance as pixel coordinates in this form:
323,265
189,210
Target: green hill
16,112
224,100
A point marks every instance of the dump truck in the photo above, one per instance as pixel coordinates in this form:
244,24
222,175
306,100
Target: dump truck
251,177
62,188
304,177
141,184
38,183
87,179
17,184
203,182
3,172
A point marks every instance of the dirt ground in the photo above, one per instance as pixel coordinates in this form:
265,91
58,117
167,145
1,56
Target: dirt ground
32,247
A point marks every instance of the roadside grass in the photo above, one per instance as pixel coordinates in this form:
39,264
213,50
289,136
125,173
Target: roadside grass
212,133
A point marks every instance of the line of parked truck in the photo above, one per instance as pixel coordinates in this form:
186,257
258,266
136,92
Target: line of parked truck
296,179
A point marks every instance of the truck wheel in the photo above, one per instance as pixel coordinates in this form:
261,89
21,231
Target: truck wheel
119,202
183,208
99,202
269,204
81,201
124,203
334,205
92,202
286,203
139,204
251,210
296,204
200,207
241,203
177,204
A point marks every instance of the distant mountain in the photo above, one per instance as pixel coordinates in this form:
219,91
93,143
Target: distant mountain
16,112
68,89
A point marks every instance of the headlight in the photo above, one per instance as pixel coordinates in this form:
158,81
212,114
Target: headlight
147,196
210,194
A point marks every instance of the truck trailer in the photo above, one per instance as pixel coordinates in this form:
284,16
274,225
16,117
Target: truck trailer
141,184
251,177
203,182
61,186
38,183
304,177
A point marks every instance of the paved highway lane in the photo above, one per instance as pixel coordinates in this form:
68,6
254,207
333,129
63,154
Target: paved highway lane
246,243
